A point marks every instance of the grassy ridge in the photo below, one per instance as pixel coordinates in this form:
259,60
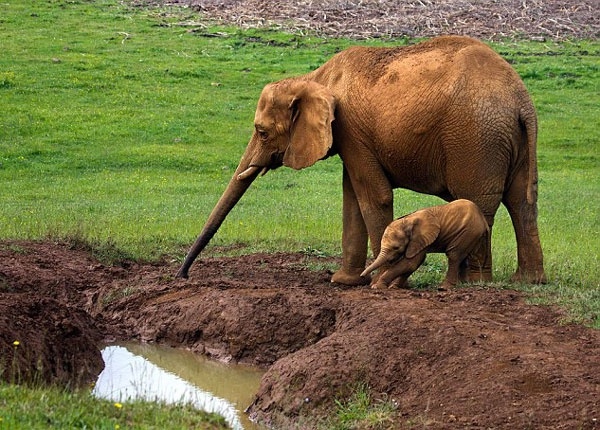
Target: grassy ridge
122,126
43,408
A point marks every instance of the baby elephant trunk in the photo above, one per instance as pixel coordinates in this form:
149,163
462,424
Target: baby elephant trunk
379,261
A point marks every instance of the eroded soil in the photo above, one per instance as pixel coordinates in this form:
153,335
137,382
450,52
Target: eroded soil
470,358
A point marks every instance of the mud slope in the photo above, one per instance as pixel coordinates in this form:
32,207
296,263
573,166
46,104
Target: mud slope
473,357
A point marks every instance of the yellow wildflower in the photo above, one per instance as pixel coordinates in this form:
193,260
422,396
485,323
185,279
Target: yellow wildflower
16,343
118,405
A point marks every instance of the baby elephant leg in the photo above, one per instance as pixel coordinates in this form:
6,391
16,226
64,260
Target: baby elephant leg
480,261
393,277
397,275
399,282
455,268
463,270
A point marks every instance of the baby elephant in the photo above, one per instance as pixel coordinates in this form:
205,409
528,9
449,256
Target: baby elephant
457,229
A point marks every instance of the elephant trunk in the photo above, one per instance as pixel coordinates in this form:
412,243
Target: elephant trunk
239,183
379,261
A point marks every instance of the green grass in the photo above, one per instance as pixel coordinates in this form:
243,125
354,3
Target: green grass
23,407
129,138
564,80
362,411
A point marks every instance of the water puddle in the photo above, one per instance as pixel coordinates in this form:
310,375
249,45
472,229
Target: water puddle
153,372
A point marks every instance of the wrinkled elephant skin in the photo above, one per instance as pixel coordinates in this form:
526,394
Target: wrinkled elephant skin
457,229
447,117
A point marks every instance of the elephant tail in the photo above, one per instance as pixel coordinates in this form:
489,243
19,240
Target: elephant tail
529,123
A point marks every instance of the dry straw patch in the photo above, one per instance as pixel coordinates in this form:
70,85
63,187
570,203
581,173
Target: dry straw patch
362,19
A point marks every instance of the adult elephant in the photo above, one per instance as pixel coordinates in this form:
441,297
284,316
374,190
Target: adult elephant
447,117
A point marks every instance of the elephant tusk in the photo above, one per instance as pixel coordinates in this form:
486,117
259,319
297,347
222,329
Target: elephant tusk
247,173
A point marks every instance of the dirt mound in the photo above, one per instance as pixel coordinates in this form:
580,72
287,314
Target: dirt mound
45,335
473,357
44,340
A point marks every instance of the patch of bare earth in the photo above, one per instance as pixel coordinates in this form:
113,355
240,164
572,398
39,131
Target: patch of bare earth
496,19
469,358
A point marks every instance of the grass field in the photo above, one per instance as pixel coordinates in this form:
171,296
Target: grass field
36,408
121,127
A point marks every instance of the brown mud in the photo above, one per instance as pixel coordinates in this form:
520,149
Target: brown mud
473,357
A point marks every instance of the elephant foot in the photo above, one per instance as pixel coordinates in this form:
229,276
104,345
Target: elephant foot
399,282
479,276
350,279
378,286
446,286
529,277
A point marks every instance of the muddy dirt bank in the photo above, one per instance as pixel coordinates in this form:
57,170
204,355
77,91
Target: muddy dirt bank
474,357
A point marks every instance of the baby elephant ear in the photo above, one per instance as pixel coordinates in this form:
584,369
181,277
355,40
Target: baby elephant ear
424,232
312,112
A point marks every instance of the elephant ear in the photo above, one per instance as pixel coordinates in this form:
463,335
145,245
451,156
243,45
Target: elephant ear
312,112
425,231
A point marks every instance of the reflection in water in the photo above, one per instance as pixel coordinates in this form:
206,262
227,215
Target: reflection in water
151,372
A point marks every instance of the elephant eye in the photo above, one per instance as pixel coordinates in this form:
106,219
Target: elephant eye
263,135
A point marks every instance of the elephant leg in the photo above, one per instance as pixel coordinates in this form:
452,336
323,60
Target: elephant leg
354,239
376,201
453,272
463,270
399,282
524,219
479,260
397,275
483,183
